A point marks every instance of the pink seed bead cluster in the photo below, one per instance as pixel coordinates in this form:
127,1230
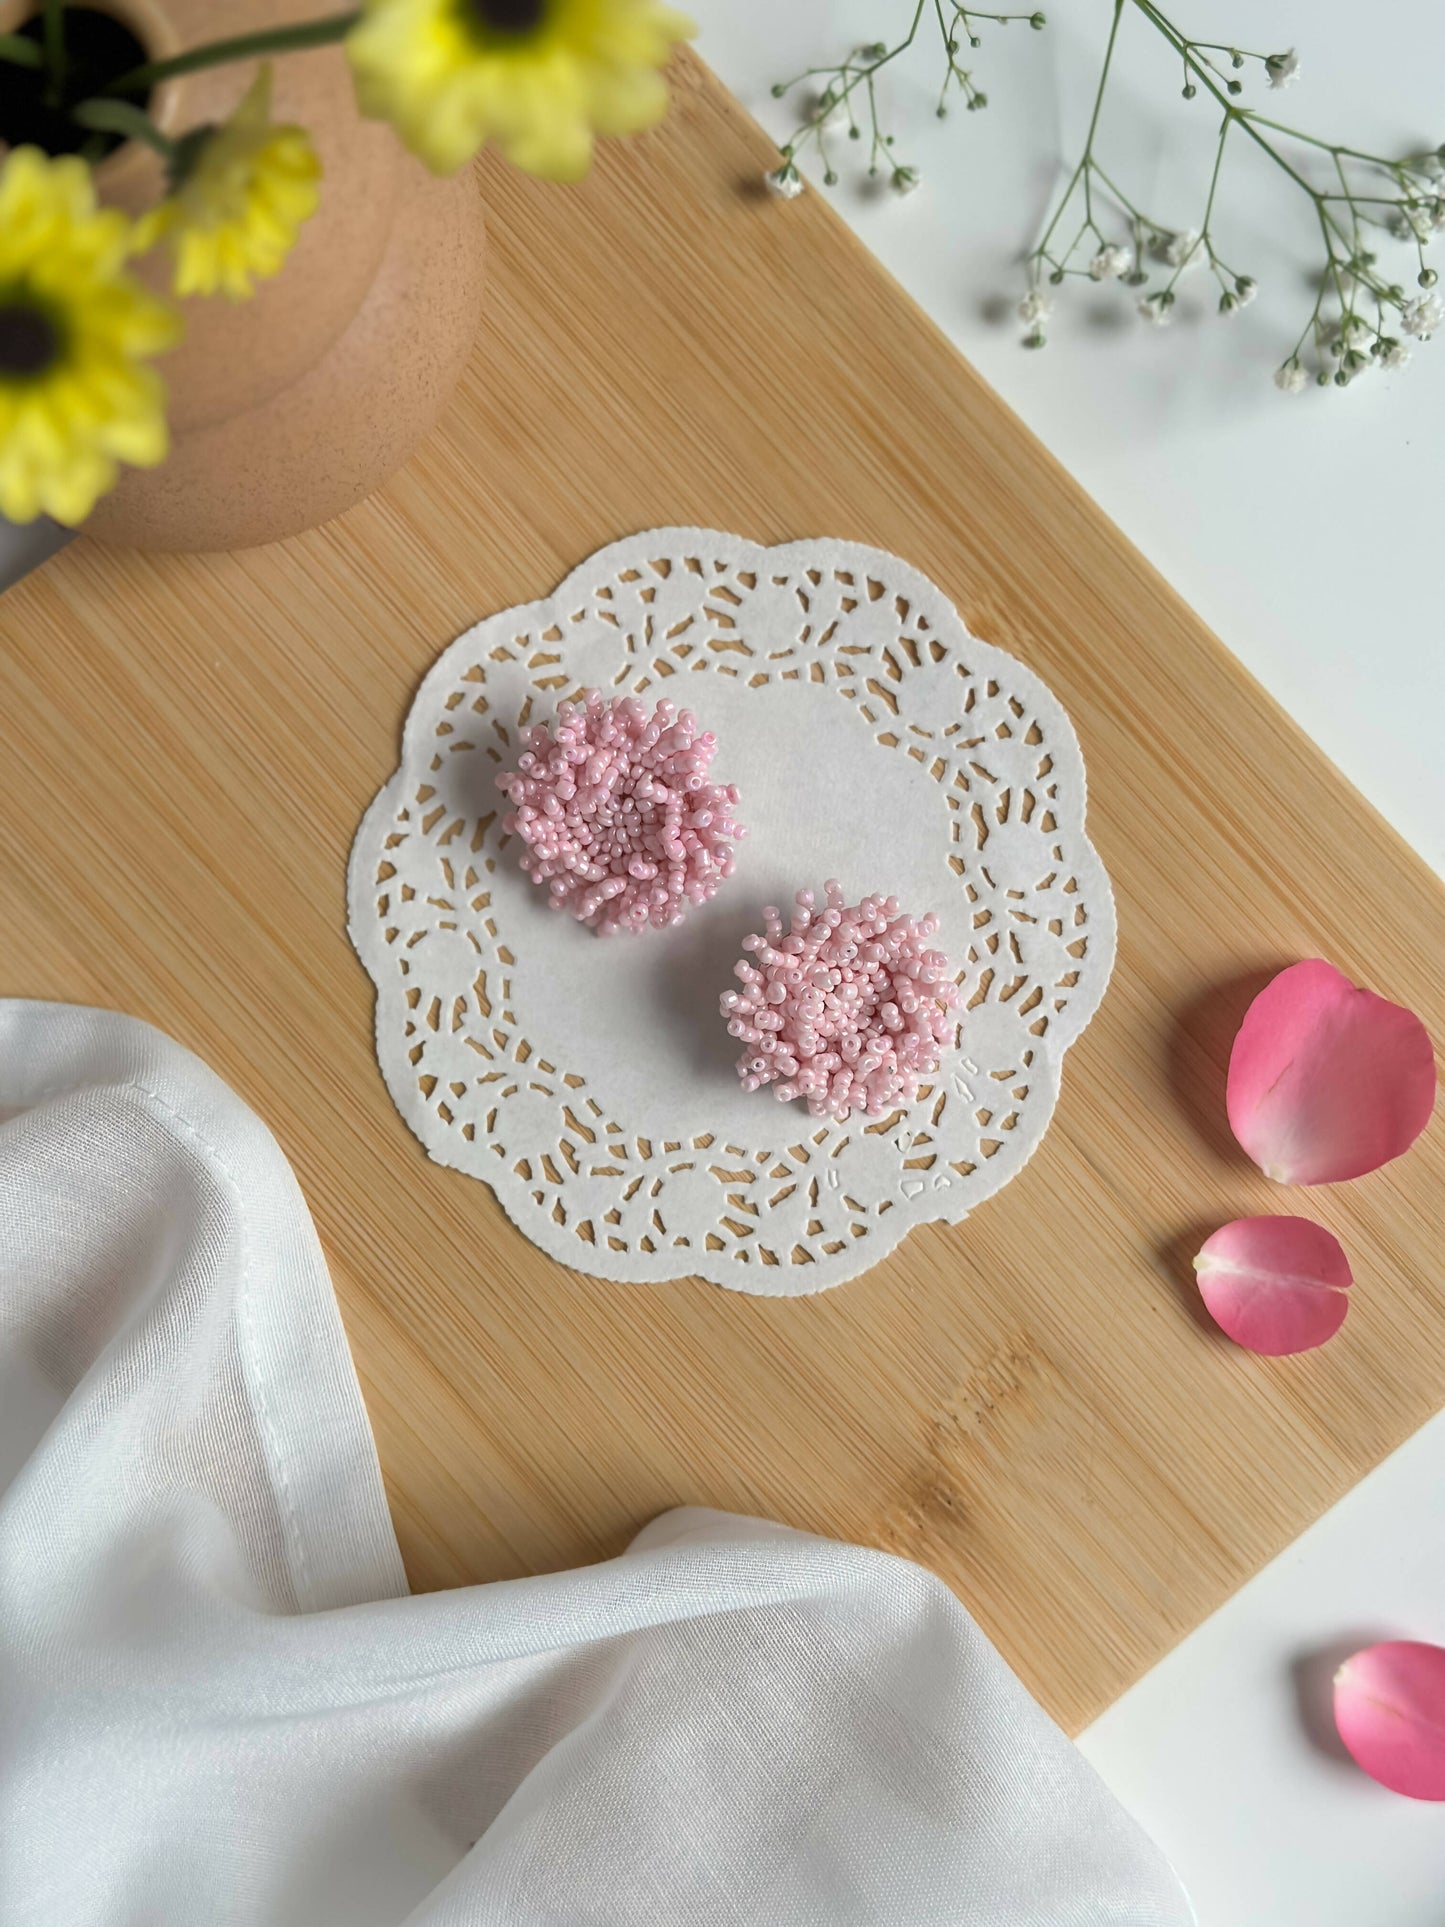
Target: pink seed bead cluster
615,815
849,1009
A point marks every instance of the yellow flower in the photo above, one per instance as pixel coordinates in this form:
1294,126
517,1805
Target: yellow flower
538,77
75,396
239,194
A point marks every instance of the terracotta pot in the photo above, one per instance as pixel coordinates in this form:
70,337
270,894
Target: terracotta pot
288,408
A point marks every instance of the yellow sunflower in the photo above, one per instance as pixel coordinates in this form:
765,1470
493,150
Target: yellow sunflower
239,194
538,77
75,397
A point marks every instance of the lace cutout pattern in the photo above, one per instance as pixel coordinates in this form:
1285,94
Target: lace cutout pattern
589,1081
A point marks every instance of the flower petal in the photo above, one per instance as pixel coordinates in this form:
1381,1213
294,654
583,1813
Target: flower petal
92,402
1275,1285
1390,1709
1327,1082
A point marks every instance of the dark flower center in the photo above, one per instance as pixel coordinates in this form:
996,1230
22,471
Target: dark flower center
29,340
509,16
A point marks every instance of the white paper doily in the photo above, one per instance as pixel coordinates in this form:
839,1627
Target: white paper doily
590,1080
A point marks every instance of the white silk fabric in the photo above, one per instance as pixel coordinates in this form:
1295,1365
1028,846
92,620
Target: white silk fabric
219,1704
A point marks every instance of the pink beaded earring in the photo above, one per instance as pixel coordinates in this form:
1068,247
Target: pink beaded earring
849,1009
613,812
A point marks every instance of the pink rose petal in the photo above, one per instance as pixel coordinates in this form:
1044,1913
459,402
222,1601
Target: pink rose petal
1275,1285
1390,1709
1327,1082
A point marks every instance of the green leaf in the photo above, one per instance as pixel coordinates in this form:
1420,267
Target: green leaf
19,51
123,118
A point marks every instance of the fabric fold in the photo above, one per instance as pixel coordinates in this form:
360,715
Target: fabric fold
219,1704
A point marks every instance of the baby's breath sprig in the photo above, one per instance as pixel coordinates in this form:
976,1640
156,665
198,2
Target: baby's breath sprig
843,97
1362,316
1359,312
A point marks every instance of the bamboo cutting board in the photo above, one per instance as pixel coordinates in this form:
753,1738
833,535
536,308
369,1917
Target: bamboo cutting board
1031,1403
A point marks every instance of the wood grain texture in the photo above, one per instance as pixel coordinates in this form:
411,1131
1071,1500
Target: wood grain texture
1031,1403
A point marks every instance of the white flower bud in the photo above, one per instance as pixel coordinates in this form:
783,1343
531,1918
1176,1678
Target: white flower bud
1413,221
1035,307
1111,262
1282,69
1423,316
1183,250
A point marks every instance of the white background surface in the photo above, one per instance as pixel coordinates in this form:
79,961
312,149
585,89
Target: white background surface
1304,531
1227,1751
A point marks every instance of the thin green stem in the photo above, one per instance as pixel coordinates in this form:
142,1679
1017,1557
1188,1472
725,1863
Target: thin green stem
1348,277
1086,161
1205,241
122,117
1332,266
953,72
1311,325
246,46
1086,226
852,76
861,69
1328,147
1218,47
1350,200
945,34
808,73
1244,116
1099,102
52,27
875,143
1224,128
1064,199
1123,199
969,14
